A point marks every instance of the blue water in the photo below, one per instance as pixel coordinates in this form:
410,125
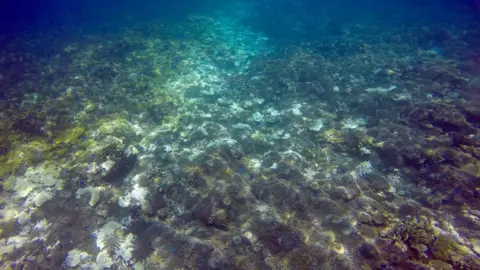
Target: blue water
207,134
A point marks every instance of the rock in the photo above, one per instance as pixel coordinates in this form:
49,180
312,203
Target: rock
458,158
198,134
433,201
220,218
42,198
237,240
458,199
364,217
248,235
378,182
40,258
162,213
107,165
112,160
103,260
95,196
341,193
420,248
131,151
368,251
475,212
315,186
379,220
368,231
23,218
473,112
476,246
440,265
408,209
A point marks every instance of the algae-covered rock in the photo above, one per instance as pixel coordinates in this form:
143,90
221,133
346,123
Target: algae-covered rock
342,193
448,249
446,117
95,196
378,182
476,245
22,155
472,111
459,158
471,169
41,198
118,127
368,251
108,160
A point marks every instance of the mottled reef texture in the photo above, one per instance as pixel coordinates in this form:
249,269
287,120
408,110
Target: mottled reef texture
247,139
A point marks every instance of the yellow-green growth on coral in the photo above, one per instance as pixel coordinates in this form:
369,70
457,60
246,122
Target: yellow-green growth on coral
117,126
40,150
446,249
332,136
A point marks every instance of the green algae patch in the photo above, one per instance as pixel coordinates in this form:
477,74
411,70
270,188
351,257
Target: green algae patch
8,184
39,150
24,154
447,249
332,136
117,126
70,136
471,169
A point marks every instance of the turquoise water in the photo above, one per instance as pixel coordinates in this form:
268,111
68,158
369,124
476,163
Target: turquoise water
239,135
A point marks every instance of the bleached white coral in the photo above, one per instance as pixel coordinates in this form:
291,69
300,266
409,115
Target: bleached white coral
394,178
12,243
23,186
257,117
42,226
255,164
41,198
222,141
23,217
317,125
310,174
105,232
351,123
242,126
296,109
94,192
103,260
258,100
265,211
235,108
111,238
140,193
125,248
76,257
167,148
176,208
125,201
36,178
362,169
273,112
380,89
44,177
107,165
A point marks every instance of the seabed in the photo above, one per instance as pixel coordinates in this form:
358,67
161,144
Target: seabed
211,144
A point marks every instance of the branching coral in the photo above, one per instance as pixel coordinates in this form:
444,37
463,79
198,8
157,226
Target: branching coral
412,231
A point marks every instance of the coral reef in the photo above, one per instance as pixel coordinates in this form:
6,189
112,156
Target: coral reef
262,136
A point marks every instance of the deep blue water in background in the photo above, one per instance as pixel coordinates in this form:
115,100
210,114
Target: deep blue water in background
16,17
70,19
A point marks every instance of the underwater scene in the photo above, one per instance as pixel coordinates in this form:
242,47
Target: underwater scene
241,134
